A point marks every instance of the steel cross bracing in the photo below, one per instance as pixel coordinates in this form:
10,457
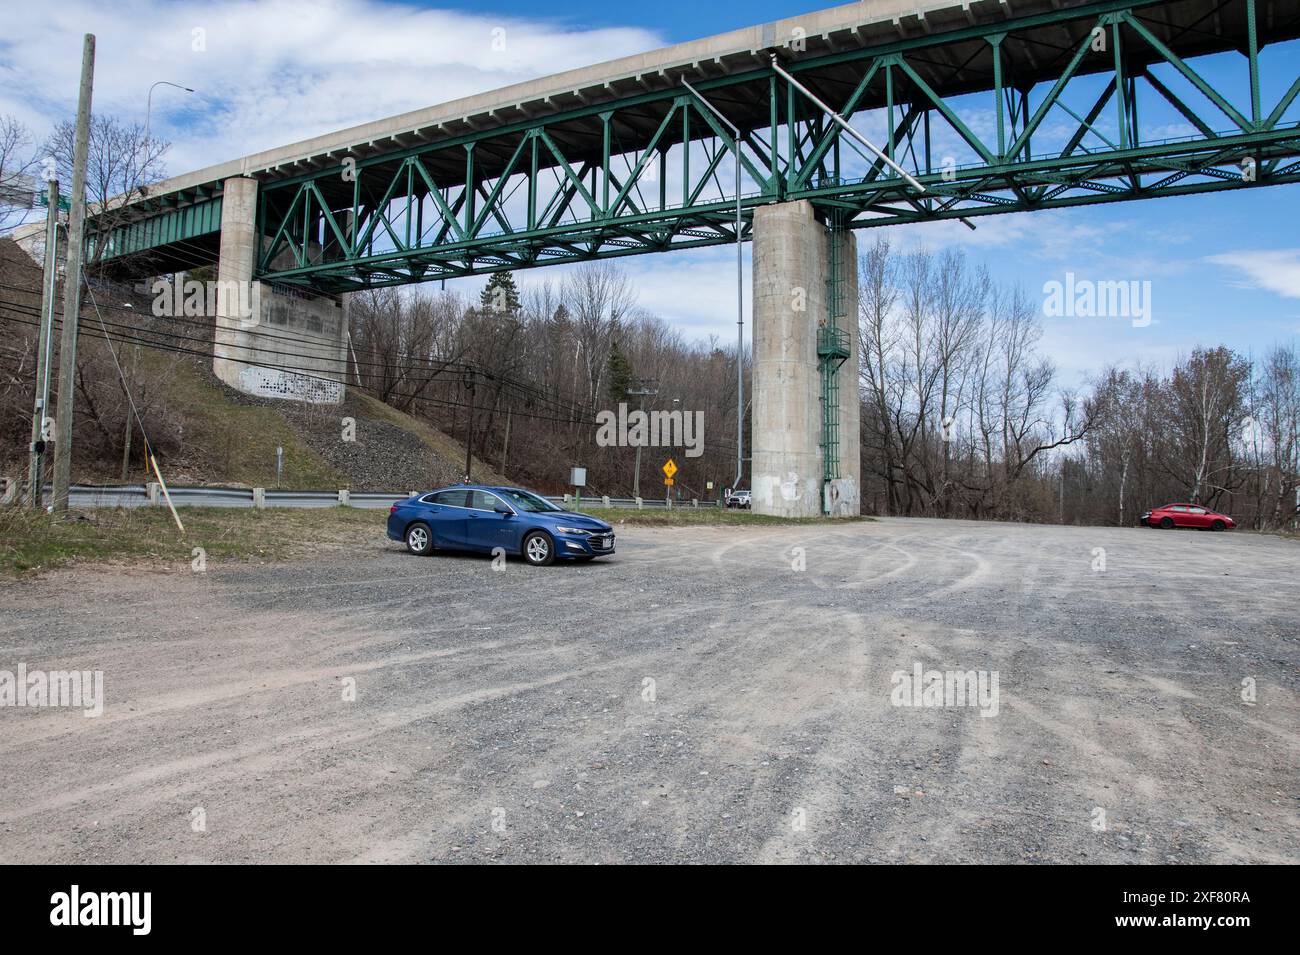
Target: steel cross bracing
1090,103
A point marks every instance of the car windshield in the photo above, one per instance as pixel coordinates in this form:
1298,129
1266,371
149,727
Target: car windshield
526,501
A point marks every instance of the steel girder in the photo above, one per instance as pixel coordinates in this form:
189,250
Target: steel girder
1065,108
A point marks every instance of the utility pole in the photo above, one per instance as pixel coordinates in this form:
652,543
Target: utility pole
1060,516
505,447
469,437
72,283
44,351
130,420
643,387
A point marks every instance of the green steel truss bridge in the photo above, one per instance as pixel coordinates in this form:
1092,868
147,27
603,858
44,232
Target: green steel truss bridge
995,106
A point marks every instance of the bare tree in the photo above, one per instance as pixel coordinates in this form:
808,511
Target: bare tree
18,163
599,296
877,301
1278,421
1205,408
122,163
404,342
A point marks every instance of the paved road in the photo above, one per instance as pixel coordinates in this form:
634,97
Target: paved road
506,715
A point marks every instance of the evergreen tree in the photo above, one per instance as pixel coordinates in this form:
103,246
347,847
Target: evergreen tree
500,294
620,374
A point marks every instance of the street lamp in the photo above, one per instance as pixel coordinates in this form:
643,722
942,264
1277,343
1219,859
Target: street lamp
148,108
740,289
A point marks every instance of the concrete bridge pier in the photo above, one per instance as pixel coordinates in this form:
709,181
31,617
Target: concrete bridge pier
797,294
257,323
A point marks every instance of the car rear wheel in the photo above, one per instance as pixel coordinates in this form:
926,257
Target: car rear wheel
419,539
1166,522
539,549
1217,526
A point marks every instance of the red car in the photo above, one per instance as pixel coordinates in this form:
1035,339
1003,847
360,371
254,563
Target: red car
1187,515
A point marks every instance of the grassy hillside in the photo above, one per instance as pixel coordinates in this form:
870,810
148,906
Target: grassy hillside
211,434
205,431
231,439
230,443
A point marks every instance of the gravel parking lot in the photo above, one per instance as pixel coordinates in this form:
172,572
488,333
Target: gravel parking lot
697,698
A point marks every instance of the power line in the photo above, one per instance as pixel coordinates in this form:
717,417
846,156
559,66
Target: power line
455,369
449,370
524,390
300,370
576,414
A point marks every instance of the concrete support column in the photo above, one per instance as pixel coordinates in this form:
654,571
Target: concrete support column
791,255
236,310
256,325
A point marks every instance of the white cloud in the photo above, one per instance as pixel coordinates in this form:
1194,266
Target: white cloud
277,71
695,290
1276,270
1082,347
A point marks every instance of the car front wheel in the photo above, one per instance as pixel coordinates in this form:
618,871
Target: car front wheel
1218,526
539,550
419,539
1166,522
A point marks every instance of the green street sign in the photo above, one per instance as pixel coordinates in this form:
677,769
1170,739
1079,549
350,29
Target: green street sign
43,199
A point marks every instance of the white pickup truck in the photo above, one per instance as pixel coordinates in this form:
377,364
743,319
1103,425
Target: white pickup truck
738,499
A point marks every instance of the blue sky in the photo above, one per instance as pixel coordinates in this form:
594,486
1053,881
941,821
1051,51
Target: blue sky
674,20
1223,268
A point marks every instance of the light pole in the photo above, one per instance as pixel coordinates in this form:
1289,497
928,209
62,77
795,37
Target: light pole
148,105
740,289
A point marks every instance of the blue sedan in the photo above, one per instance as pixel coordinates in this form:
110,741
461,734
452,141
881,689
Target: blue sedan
478,518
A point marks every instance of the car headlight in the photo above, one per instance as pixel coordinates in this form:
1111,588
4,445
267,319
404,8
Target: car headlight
579,531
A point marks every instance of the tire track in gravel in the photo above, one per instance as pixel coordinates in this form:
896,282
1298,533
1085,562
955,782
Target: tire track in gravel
772,694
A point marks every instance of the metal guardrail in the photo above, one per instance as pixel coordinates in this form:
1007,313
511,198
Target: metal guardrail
142,495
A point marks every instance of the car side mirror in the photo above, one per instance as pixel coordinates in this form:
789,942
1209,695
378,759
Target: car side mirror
502,509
